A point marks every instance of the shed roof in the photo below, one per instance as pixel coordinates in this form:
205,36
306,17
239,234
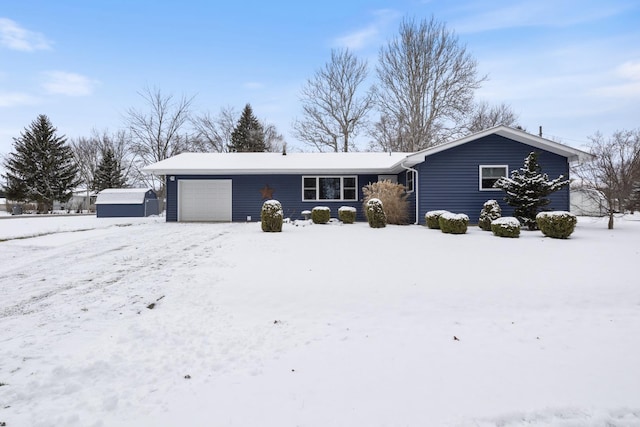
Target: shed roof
277,163
121,196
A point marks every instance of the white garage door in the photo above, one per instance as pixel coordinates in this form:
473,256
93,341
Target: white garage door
204,200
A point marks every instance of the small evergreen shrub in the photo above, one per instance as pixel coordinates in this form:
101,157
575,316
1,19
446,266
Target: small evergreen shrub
490,210
320,215
453,223
375,214
271,216
393,197
432,218
347,214
507,226
558,224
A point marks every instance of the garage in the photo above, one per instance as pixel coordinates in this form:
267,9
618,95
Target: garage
204,200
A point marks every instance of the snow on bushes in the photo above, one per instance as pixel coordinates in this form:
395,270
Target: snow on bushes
347,214
271,216
453,223
393,197
432,218
320,214
507,226
375,213
556,224
490,210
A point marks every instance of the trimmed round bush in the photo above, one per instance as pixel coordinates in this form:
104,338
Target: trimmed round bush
556,224
432,218
506,226
375,214
453,223
347,214
320,214
490,211
271,216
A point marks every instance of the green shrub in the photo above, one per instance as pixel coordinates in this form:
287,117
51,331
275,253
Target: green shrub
558,224
271,216
375,214
490,210
507,226
453,223
347,214
432,218
320,215
393,197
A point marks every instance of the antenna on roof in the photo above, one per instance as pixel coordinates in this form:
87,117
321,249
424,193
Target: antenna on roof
540,132
284,149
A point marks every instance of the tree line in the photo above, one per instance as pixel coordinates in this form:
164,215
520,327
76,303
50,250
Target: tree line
422,95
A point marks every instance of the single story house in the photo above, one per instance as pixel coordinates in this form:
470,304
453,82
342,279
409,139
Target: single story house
457,176
126,202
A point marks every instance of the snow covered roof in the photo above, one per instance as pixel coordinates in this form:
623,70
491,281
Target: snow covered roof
573,154
277,163
121,196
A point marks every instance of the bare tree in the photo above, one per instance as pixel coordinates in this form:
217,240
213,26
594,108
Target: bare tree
213,133
426,83
273,140
159,133
333,113
485,116
612,173
388,135
88,154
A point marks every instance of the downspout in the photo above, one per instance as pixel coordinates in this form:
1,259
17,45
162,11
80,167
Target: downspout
415,189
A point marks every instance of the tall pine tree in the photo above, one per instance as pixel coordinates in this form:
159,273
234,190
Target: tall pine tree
527,190
42,167
109,173
248,135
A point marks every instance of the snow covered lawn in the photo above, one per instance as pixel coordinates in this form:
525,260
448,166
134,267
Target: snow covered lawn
138,322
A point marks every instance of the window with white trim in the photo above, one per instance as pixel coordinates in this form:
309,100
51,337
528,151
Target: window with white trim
490,174
329,188
409,181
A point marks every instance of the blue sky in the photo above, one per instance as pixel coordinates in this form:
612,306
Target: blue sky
571,66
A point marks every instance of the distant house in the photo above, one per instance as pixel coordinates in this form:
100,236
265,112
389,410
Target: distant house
126,202
457,176
588,202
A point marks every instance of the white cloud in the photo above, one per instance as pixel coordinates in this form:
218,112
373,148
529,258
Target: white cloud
627,84
69,84
14,37
14,99
534,13
369,34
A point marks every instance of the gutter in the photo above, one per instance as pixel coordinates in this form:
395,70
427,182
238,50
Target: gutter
415,188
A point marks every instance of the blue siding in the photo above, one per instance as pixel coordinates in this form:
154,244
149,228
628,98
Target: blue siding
247,198
450,179
119,211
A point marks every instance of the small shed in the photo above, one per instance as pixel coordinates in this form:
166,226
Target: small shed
126,202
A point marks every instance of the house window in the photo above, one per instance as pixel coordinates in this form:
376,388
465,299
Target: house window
409,184
490,174
329,188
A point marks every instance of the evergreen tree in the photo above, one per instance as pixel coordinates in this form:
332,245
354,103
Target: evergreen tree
109,173
42,168
248,135
527,190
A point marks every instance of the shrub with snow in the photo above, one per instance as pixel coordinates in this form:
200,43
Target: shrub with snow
453,223
271,216
432,218
393,197
375,213
556,224
347,214
490,210
320,214
507,226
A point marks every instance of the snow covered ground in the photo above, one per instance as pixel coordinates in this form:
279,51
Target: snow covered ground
138,322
